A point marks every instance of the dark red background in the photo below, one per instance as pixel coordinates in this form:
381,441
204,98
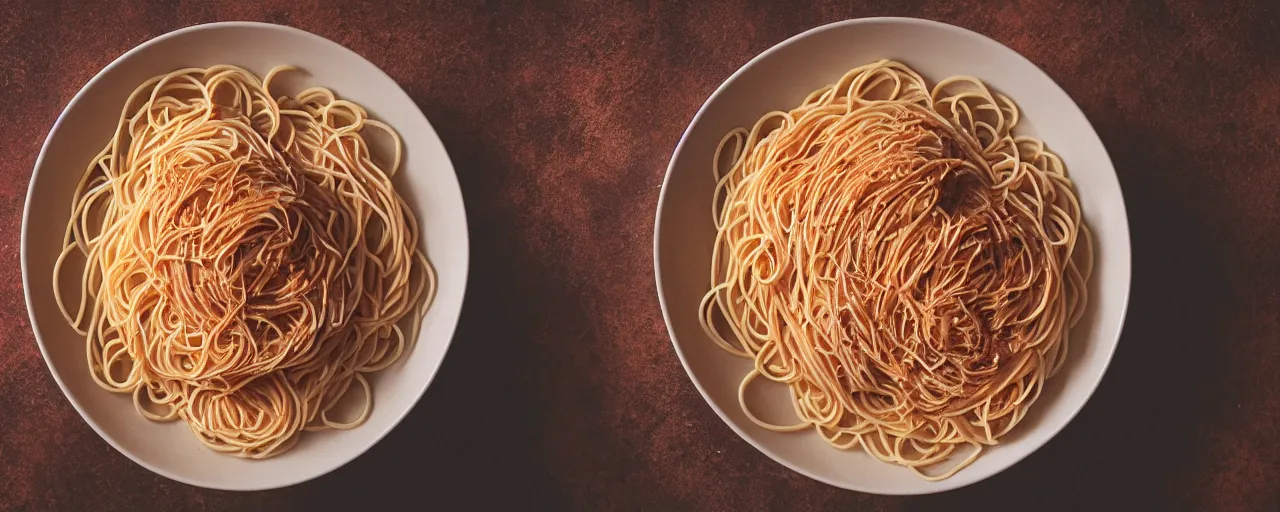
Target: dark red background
562,390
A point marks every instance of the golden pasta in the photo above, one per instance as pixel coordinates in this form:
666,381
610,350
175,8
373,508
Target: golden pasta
246,261
902,261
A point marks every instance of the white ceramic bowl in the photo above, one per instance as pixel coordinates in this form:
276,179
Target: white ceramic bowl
426,180
779,79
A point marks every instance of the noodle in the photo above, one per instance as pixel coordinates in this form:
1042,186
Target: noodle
247,262
899,259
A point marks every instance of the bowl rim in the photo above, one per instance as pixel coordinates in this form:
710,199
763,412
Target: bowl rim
452,318
1125,265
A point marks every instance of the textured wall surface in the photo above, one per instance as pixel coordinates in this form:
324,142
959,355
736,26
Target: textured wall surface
562,390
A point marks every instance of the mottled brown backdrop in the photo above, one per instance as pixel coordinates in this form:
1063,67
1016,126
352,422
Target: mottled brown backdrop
562,390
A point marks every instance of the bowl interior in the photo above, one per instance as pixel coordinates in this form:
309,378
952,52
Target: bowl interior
426,180
778,80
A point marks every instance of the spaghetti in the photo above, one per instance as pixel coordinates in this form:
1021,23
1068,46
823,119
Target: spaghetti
901,260
246,261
